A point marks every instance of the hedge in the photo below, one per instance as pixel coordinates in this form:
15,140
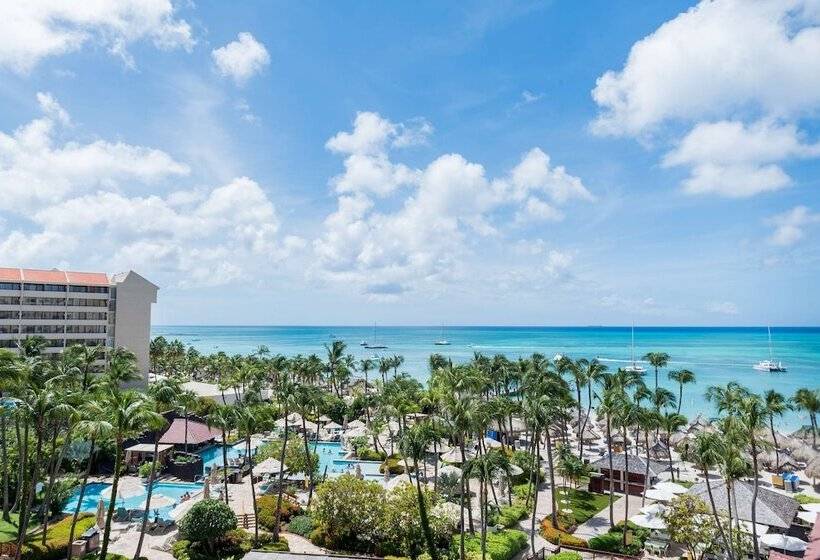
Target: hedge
367,454
566,555
502,545
234,544
301,525
613,540
509,516
555,536
266,507
394,465
57,539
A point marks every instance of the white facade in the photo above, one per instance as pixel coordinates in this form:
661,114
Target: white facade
68,308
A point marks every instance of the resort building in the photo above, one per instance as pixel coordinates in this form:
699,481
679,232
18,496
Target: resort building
599,481
68,308
775,510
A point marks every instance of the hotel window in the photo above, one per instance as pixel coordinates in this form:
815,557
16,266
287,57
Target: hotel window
42,329
9,300
8,329
8,344
89,289
9,314
44,315
43,301
9,286
44,287
86,329
77,302
86,316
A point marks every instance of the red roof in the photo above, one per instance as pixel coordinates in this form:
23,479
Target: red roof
775,555
815,531
10,275
198,433
54,276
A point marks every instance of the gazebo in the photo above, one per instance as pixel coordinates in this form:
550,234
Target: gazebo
141,452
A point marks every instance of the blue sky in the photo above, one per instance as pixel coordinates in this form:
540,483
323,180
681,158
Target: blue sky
419,163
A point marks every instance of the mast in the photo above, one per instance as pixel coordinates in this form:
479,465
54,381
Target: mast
771,355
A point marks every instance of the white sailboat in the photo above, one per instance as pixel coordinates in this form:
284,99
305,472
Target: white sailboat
770,366
375,344
441,340
634,366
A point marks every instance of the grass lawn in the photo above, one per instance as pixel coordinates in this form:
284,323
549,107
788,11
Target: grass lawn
804,499
582,503
8,530
685,483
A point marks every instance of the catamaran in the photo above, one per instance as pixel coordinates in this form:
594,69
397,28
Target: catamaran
441,340
375,344
770,366
634,366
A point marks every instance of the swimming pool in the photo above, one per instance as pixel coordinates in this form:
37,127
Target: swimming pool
212,456
332,457
94,490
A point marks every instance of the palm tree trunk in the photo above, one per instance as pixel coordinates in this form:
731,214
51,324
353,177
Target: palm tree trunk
611,487
482,504
225,464
80,498
626,487
680,395
150,492
774,440
113,501
535,494
646,473
52,473
669,450
729,525
25,509
256,507
185,439
423,518
754,499
4,450
461,507
309,459
22,447
281,478
553,497
469,495
715,513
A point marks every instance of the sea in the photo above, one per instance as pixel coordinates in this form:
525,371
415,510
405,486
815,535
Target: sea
717,355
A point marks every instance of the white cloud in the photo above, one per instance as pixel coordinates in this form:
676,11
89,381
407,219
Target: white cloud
33,30
723,308
718,57
36,170
732,159
528,97
790,226
739,75
241,59
392,247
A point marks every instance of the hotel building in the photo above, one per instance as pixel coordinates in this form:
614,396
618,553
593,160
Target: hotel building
68,308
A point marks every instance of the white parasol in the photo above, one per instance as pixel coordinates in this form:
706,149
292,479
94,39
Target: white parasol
783,542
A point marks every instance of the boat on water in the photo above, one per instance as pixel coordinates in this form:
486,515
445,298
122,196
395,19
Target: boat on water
375,345
442,341
770,366
634,366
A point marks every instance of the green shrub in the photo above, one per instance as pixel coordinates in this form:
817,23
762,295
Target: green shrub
502,545
179,549
806,499
509,516
207,521
266,510
57,539
301,525
367,454
566,555
394,465
613,540
145,470
559,534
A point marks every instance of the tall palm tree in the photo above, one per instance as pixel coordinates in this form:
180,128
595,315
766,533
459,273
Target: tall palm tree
286,397
627,415
671,422
657,360
251,420
365,365
753,416
164,395
681,377
413,445
96,428
307,400
9,374
776,405
709,449
808,400
223,418
185,401
483,468
130,414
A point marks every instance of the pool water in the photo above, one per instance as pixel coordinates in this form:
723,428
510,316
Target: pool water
332,457
212,456
94,490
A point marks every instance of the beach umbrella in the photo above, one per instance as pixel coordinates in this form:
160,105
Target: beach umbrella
128,487
808,516
491,443
442,446
815,508
355,424
324,418
813,469
206,490
804,454
515,470
449,470
268,466
672,487
659,495
783,542
769,459
454,456
654,509
648,521
100,514
158,501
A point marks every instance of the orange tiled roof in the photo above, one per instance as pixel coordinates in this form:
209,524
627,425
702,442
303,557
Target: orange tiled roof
53,276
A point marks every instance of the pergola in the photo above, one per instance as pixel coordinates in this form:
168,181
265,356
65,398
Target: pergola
139,453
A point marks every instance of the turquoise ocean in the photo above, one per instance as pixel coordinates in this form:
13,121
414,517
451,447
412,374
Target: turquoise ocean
717,355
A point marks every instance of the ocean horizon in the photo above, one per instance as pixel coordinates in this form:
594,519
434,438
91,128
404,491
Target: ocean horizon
717,355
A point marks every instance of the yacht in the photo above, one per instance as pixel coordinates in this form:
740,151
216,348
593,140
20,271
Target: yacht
634,366
441,340
375,344
770,366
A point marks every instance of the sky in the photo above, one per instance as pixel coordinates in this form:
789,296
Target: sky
509,163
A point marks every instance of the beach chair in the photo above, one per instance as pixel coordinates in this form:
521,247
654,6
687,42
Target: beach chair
777,482
121,514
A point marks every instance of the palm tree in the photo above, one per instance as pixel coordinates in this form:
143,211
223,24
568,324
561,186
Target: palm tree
185,400
250,420
753,415
708,453
627,414
223,418
286,395
681,377
129,413
9,374
96,428
776,405
413,444
483,468
307,399
671,422
808,400
657,360
365,365
164,394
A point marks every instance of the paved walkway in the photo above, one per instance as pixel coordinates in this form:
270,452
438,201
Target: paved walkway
598,524
300,544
